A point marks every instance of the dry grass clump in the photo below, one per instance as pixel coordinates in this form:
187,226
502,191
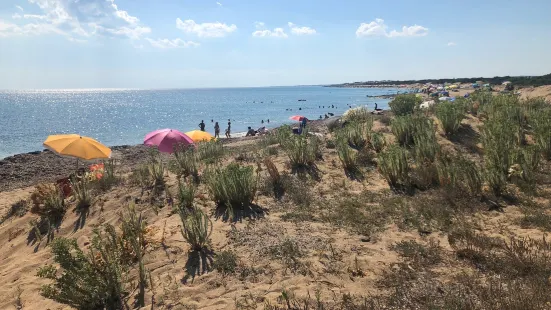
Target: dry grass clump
48,203
109,177
82,193
18,209
185,196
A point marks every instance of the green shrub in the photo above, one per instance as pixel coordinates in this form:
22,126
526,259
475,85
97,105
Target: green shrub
87,281
187,162
141,177
359,115
450,115
49,204
302,150
500,144
347,156
403,128
357,134
378,141
404,104
393,165
541,124
330,144
185,196
196,229
211,151
233,187
424,137
457,172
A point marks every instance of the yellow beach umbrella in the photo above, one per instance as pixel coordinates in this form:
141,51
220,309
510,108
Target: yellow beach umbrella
77,146
198,135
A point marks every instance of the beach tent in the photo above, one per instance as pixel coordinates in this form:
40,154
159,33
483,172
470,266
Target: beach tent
427,104
444,98
506,83
486,85
475,85
453,86
440,88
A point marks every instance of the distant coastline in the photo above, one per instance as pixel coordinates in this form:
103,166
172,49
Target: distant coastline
515,80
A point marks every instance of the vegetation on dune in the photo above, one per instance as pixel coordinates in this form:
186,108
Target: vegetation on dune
404,104
450,116
378,141
232,187
393,165
187,162
196,229
303,150
210,152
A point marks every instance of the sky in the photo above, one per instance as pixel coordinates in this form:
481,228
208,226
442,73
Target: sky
191,44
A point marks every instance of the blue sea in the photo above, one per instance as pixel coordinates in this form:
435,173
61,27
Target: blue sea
119,117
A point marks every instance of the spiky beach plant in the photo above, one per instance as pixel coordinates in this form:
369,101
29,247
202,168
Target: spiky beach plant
458,172
210,152
347,156
185,195
378,141
232,187
450,116
541,124
358,134
393,165
358,115
133,231
196,229
187,161
82,192
302,150
403,128
424,137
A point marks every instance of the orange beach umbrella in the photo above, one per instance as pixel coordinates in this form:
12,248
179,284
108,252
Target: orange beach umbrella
198,135
77,146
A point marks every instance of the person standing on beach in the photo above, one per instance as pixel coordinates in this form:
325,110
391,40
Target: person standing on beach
228,131
216,130
202,125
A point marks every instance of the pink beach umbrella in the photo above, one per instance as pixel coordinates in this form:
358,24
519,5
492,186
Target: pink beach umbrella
166,139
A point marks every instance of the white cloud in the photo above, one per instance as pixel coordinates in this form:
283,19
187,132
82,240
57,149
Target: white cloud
277,32
20,8
296,30
176,43
378,28
412,31
76,40
219,4
212,30
452,44
77,19
258,25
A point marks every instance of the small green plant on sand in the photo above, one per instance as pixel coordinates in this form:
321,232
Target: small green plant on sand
82,193
225,262
232,187
196,229
302,150
211,151
185,196
347,156
187,162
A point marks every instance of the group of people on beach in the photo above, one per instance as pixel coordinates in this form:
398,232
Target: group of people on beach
228,130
